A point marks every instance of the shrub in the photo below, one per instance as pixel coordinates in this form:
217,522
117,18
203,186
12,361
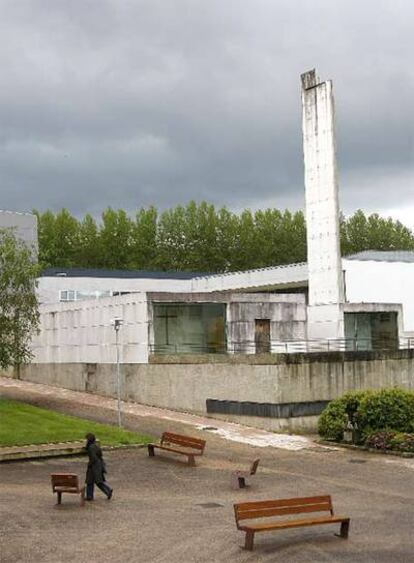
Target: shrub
333,420
373,411
402,442
380,440
391,409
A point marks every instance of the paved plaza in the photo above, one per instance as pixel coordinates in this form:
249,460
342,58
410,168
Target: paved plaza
157,512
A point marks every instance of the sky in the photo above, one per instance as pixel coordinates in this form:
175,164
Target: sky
157,102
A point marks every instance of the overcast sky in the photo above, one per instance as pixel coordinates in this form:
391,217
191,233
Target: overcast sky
132,103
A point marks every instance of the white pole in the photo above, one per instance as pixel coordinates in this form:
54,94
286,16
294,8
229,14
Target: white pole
118,374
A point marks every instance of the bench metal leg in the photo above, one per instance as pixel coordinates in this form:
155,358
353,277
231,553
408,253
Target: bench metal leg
191,461
82,497
59,498
151,450
344,529
248,544
242,482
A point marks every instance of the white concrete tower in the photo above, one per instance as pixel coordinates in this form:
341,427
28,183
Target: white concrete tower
326,286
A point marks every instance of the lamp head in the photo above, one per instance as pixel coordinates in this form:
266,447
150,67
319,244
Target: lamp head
117,322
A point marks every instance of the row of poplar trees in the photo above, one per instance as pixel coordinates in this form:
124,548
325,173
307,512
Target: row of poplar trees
199,238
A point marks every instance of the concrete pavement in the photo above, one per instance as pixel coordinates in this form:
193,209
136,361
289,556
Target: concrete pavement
158,512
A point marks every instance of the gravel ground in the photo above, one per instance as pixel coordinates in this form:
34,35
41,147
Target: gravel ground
156,513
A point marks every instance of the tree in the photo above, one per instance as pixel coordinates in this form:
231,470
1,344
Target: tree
46,238
89,251
201,238
58,236
360,232
66,239
115,239
144,240
19,317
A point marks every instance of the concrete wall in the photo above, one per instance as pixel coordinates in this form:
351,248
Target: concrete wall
24,223
287,315
187,386
326,291
81,331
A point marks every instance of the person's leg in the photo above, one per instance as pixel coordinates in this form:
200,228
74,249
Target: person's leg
89,491
105,488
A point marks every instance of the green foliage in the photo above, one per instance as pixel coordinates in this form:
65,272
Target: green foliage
199,237
333,420
18,302
384,410
115,240
391,409
88,241
360,232
25,424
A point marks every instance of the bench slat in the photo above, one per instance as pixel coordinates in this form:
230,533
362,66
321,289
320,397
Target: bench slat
267,512
284,502
188,441
161,447
65,479
294,523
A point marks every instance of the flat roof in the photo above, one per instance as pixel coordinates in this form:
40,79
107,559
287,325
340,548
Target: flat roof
383,256
126,274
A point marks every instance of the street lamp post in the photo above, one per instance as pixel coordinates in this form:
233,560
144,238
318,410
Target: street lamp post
117,323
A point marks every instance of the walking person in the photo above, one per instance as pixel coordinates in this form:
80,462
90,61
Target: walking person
95,473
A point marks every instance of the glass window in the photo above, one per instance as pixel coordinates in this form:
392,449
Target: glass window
371,331
189,328
67,295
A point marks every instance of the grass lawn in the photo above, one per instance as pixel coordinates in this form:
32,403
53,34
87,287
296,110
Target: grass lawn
21,424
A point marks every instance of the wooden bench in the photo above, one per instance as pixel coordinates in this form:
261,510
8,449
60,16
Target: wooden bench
67,483
284,507
185,445
238,478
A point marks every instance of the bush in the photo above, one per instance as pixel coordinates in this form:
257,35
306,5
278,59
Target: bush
388,409
333,420
373,411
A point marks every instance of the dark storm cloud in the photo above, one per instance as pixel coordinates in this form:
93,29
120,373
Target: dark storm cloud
130,103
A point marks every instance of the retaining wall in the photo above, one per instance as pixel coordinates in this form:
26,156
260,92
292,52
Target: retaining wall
185,383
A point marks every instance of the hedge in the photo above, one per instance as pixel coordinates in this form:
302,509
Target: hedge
373,411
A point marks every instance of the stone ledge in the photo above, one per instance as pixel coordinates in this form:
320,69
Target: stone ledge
364,448
62,449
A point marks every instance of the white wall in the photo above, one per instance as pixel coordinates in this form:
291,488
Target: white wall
325,319
382,282
81,331
24,223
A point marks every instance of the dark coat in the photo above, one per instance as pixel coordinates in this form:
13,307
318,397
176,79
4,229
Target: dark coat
96,465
